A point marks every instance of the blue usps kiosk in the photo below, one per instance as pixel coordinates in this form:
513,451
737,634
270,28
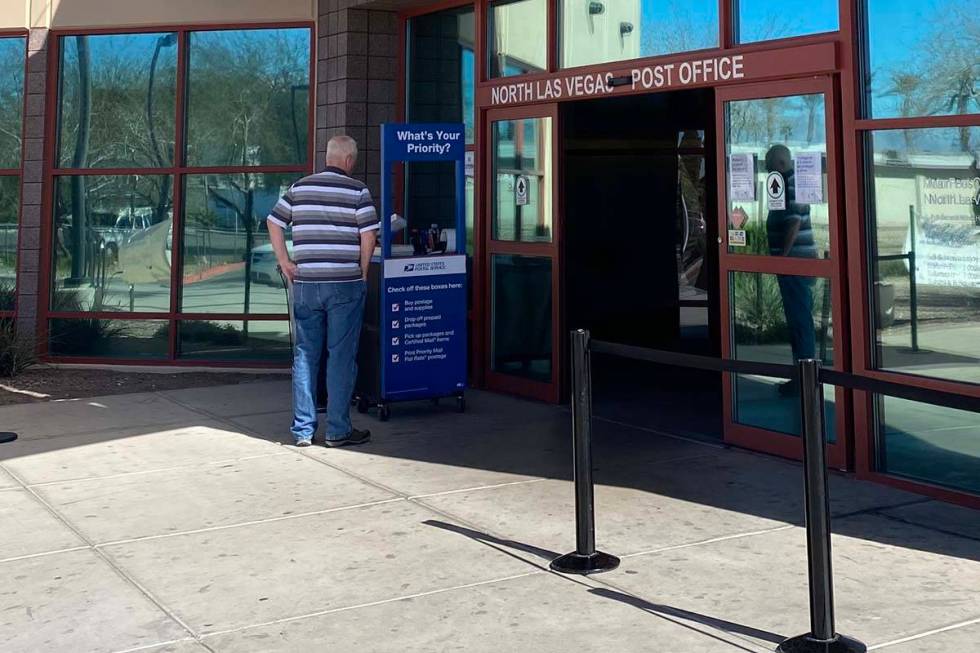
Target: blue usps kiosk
413,346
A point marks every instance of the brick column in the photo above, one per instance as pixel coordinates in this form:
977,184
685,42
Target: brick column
357,67
29,248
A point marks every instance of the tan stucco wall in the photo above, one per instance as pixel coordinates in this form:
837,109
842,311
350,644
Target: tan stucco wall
63,14
13,14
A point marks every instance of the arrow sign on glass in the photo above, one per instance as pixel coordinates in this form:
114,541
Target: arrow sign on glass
520,190
776,191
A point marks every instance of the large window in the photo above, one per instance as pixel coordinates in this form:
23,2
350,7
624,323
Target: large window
159,246
601,32
12,53
440,85
926,237
923,58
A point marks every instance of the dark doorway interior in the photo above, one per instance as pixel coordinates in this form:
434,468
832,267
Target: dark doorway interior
640,262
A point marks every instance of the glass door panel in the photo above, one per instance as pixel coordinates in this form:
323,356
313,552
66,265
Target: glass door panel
522,253
780,274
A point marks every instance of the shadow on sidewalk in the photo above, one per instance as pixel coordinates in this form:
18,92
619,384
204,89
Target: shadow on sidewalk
677,616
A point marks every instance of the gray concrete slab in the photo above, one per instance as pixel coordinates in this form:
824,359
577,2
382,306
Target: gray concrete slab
28,527
440,461
7,481
542,613
205,496
956,640
894,581
75,602
628,520
940,516
61,418
252,574
242,399
129,450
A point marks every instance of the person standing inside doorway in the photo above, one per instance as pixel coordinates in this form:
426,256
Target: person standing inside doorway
334,227
790,233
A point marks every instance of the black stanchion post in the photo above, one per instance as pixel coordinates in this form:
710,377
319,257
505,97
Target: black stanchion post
585,559
822,637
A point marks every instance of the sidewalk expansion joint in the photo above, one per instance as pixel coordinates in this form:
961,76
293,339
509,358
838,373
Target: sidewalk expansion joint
254,522
928,633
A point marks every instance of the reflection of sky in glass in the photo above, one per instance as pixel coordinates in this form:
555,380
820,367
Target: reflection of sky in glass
761,20
918,50
248,41
11,99
678,26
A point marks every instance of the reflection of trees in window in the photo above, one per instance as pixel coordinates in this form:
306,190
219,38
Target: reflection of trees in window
947,81
11,100
117,95
248,97
679,27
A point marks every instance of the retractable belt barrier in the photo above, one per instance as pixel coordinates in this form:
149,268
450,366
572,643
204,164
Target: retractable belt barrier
811,376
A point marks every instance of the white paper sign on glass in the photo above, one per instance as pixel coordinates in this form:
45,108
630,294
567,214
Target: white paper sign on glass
809,177
741,178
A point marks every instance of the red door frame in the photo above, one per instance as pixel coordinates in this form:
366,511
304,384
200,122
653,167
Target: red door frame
495,380
832,269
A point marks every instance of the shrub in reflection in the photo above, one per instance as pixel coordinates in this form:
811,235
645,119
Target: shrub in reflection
759,316
209,332
81,336
17,349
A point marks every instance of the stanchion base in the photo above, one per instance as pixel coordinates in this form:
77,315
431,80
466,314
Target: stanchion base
806,644
7,436
576,563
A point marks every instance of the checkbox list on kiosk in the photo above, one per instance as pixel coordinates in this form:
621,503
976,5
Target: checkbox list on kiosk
395,308
395,324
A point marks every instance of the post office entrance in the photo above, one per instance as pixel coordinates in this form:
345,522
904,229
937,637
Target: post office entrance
640,261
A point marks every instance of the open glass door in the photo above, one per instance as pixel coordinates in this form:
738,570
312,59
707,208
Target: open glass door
780,257
522,244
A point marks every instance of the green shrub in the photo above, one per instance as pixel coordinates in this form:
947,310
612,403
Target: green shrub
18,350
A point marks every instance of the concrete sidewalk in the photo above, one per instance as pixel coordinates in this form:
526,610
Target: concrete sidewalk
177,521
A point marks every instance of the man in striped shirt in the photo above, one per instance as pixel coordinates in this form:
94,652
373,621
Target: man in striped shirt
334,228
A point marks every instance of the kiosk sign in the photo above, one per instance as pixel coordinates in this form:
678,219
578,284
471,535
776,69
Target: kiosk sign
424,142
425,315
423,298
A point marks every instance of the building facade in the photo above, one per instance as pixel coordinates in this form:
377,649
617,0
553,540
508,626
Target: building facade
723,177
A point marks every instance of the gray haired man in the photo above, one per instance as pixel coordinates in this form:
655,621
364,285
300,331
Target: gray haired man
334,226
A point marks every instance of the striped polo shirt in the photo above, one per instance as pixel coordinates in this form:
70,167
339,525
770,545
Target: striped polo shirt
328,212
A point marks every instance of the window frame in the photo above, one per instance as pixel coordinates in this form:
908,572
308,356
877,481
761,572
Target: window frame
179,171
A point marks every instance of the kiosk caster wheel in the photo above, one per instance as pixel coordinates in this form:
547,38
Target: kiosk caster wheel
384,412
460,404
362,405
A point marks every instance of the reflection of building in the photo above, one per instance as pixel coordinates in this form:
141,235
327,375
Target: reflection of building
164,107
601,31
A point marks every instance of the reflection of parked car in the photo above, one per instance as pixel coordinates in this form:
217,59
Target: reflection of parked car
125,227
264,264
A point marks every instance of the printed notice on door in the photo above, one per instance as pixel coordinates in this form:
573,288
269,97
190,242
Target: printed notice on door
741,178
809,177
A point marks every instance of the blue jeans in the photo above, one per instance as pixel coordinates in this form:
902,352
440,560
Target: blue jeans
797,295
331,314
